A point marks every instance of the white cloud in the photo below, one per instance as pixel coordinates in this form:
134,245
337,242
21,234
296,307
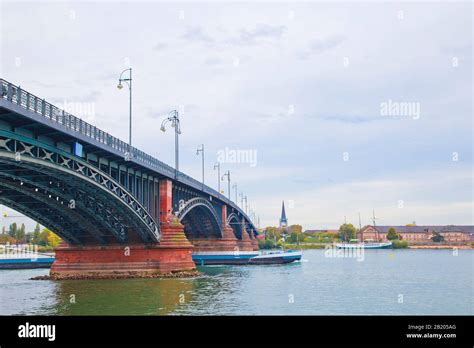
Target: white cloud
191,60
426,198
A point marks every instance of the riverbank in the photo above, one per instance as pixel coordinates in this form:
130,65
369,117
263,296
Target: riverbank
464,247
308,246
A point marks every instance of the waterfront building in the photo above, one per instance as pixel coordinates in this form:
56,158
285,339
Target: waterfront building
420,234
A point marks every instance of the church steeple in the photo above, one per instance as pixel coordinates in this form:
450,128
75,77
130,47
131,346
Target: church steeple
283,221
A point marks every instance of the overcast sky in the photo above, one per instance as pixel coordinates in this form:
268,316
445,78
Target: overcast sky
302,86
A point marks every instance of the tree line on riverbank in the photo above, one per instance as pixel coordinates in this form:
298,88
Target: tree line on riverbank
293,236
16,234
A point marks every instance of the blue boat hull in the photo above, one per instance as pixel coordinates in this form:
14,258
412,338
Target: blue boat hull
202,259
274,260
17,263
222,259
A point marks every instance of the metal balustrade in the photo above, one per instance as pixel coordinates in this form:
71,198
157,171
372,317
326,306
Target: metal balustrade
20,97
30,102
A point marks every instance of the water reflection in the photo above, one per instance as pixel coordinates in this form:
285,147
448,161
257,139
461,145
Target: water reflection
123,297
211,290
148,296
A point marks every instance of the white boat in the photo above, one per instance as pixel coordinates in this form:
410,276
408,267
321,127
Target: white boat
356,244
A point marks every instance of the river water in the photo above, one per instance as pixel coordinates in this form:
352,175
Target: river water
378,282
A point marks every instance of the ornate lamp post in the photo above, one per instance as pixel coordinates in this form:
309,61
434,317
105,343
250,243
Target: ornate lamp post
128,81
173,118
235,187
218,167
200,149
228,181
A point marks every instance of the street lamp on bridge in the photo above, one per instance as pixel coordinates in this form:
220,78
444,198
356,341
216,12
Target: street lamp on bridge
218,167
128,81
200,149
228,181
173,117
246,203
235,187
241,195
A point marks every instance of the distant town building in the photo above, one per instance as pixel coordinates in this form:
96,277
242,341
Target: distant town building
419,234
283,220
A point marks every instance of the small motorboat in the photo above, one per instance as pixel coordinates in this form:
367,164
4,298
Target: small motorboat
276,257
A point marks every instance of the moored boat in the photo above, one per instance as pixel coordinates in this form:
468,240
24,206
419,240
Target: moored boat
245,257
365,243
277,257
356,244
202,258
25,263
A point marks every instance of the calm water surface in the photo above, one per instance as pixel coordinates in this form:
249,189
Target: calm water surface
425,281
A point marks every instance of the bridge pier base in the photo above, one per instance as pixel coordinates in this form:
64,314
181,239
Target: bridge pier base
245,244
228,242
172,257
254,242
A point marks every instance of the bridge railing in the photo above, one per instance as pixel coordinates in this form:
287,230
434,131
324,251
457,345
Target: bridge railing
22,98
28,101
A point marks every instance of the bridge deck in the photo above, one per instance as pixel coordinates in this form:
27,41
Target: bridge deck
49,120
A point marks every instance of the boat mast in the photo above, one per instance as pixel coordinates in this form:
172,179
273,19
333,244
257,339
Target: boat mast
376,232
360,230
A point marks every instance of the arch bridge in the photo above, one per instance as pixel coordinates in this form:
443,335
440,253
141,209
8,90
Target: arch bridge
102,196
